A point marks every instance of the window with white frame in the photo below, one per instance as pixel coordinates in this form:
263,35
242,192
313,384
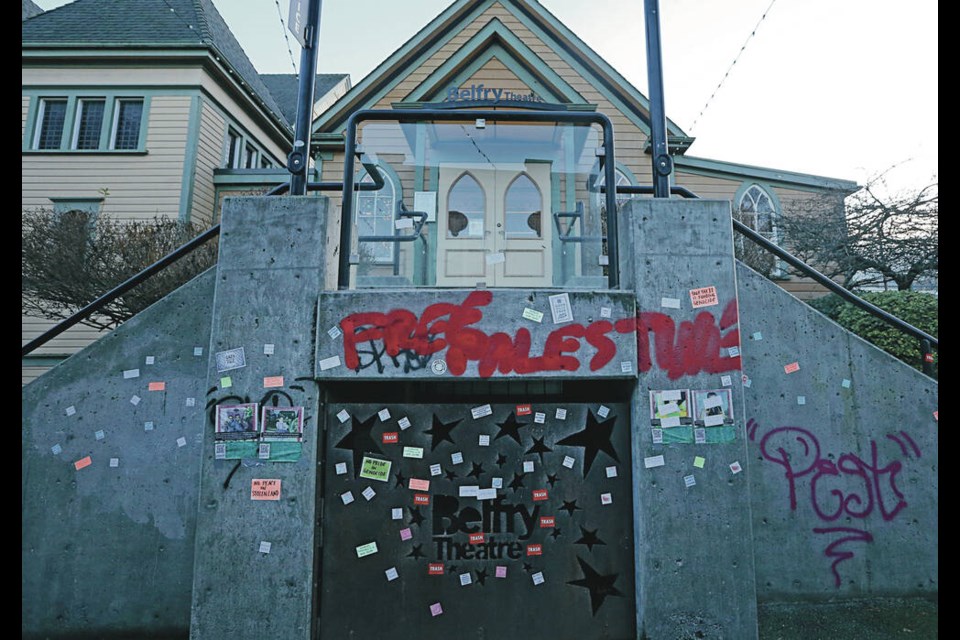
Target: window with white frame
88,123
757,209
127,117
375,217
51,116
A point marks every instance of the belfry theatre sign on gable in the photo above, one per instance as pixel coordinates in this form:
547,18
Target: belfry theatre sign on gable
480,93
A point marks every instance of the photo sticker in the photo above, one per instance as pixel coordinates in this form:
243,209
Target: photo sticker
237,422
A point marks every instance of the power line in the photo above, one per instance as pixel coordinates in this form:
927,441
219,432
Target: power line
730,68
283,28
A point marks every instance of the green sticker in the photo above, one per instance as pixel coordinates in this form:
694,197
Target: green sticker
698,462
413,452
681,435
366,549
375,469
533,314
721,435
226,382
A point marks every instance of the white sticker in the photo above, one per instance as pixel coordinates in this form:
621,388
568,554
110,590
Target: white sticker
346,497
396,513
481,411
484,440
231,359
747,382
561,414
606,498
611,472
220,451
757,336
403,223
148,425
263,451
657,436
603,411
626,367
181,442
403,423
845,384
340,468
114,462
726,381
334,332
528,466
465,579
669,407
733,352
497,483
329,363
700,436
668,395
540,417
603,260
670,303
667,423
368,493
653,461
71,410
343,416
456,457
391,574
131,373
487,494
495,258
801,399
735,468
149,360
532,314
606,312
712,401
198,351
56,449
265,546
135,400
268,349
383,414
469,491
191,402
560,308
713,421
689,481
413,452
99,435
537,578
435,470
568,462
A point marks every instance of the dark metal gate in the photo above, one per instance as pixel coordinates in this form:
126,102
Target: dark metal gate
489,521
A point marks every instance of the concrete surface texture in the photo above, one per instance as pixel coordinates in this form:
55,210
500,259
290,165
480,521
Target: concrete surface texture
110,466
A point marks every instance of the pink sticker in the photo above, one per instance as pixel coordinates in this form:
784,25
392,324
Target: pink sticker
936,415
539,494
419,485
703,297
406,534
501,572
436,609
157,386
82,462
792,367
272,381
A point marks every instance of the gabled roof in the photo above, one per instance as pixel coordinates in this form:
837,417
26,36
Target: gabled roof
285,89
449,22
149,24
28,9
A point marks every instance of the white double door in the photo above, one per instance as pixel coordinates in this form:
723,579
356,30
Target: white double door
495,225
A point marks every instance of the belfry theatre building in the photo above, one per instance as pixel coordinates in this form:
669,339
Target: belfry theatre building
468,389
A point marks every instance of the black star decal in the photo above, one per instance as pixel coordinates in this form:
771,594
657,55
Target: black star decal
600,586
553,479
555,533
595,437
589,538
451,476
481,577
477,470
360,441
452,568
538,447
401,480
570,507
517,481
415,516
528,567
501,460
510,427
417,552
441,431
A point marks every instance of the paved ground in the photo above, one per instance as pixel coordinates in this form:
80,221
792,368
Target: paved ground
874,619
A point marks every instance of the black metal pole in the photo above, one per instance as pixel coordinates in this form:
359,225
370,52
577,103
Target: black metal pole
298,162
662,163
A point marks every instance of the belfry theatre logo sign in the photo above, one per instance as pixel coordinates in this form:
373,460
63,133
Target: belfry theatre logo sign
480,93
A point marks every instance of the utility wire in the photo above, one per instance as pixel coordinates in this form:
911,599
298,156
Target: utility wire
283,28
730,68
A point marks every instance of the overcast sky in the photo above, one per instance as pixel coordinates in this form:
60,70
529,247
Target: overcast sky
844,88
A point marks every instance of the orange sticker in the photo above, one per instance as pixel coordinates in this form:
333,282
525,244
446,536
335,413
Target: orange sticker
157,386
264,489
792,367
272,381
82,462
703,297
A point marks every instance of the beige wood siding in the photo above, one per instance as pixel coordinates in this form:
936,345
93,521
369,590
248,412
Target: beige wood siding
68,342
141,186
209,157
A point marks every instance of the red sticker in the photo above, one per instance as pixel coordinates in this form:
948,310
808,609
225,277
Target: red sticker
476,538
928,357
391,437
524,409
421,498
534,550
81,463
539,494
547,522
792,367
157,386
435,569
